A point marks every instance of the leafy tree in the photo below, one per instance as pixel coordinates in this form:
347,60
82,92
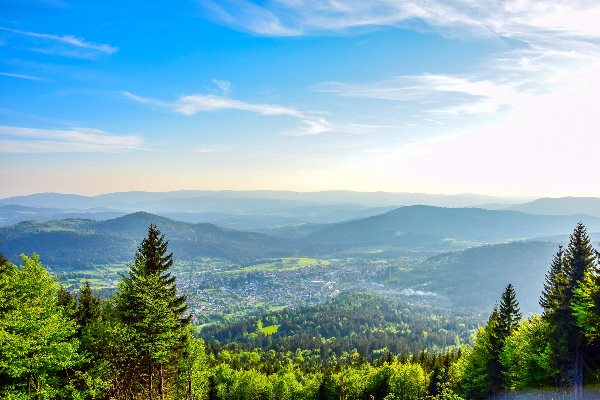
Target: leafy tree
586,305
192,380
481,373
36,336
527,356
407,382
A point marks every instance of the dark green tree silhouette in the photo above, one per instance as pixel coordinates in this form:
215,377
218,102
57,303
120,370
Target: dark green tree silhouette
148,304
509,313
554,285
567,341
88,309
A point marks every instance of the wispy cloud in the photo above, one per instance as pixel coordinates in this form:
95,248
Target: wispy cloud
246,15
67,45
310,123
222,84
439,93
488,17
553,37
21,76
15,139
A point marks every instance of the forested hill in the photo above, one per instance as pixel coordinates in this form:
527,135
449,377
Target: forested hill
86,242
361,321
475,276
415,231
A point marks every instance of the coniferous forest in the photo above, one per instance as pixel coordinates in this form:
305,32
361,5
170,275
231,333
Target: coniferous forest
139,343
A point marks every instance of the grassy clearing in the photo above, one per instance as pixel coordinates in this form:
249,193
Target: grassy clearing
266,330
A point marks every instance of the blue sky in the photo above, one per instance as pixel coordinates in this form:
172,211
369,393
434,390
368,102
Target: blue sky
496,97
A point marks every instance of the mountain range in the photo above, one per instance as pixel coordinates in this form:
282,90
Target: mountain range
415,230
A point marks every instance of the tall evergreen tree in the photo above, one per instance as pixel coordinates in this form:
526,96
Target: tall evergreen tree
509,313
88,308
554,285
152,258
148,304
566,338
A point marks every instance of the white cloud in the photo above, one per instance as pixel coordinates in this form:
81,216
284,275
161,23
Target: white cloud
193,104
21,76
15,139
247,16
67,45
309,123
487,17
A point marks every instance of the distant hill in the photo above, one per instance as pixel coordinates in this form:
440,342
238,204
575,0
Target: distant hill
477,276
413,224
181,200
87,242
414,231
561,206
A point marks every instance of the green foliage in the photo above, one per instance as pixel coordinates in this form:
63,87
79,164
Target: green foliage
192,378
370,324
586,305
88,308
407,382
566,337
478,366
148,305
36,336
527,355
509,314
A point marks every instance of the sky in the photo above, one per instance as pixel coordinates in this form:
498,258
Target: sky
491,97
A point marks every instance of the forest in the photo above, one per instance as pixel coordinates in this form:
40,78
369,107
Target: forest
140,344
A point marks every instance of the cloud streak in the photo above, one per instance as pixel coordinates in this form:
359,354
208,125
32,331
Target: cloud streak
513,18
190,105
15,139
21,76
67,45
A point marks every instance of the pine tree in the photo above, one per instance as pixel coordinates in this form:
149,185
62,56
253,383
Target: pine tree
151,258
566,338
509,314
147,303
88,309
554,285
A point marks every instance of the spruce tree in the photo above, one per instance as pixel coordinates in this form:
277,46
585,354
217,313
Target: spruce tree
509,314
88,309
566,338
152,258
554,285
147,303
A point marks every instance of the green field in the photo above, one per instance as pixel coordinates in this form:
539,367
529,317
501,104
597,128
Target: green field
267,330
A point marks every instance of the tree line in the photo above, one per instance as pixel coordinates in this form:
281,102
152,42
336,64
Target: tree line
139,344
